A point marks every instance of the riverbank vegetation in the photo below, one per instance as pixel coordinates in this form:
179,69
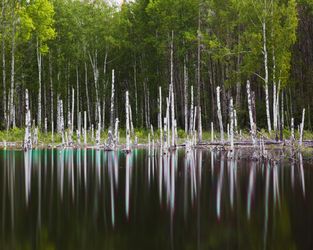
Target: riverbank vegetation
82,56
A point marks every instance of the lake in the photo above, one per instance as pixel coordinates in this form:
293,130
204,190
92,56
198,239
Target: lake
200,199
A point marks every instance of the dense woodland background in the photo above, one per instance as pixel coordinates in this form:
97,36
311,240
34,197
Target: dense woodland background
51,47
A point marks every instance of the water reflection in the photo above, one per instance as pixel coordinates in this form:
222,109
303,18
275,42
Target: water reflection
85,191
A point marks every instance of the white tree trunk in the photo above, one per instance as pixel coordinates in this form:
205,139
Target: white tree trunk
94,64
199,125
236,122
51,91
301,129
219,112
292,130
62,122
77,96
39,63
191,111
173,116
87,95
265,53
231,111
11,94
160,115
112,103
4,93
168,121
252,124
212,132
116,131
132,130
186,95
85,127
127,123
73,109
27,138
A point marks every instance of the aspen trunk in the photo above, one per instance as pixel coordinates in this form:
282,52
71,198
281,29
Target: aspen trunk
132,130
62,122
160,114
39,64
94,64
212,132
292,130
127,123
77,96
27,138
103,113
171,97
191,111
219,112
301,128
199,126
112,103
11,102
51,91
265,53
231,111
199,75
58,115
85,128
116,135
168,121
87,94
73,109
252,124
136,95
4,93
186,95
173,117
236,122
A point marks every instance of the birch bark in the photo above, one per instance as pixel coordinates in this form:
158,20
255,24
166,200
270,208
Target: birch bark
252,125
265,53
112,103
219,112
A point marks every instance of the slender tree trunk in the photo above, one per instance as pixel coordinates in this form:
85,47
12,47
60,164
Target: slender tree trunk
39,64
219,112
4,93
27,138
252,124
94,64
77,95
191,111
198,73
51,91
136,93
186,94
112,103
127,123
87,94
302,128
172,91
11,103
160,114
268,116
73,109
231,111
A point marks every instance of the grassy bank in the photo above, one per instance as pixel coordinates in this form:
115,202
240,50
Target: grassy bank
17,135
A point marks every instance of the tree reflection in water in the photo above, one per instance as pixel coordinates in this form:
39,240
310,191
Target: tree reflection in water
183,199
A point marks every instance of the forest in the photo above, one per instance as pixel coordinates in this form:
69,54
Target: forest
73,52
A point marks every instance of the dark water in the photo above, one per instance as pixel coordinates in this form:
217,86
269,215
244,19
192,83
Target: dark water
88,199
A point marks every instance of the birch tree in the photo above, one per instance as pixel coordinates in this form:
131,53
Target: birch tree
41,13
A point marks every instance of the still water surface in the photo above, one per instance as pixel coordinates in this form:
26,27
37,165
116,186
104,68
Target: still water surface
89,199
